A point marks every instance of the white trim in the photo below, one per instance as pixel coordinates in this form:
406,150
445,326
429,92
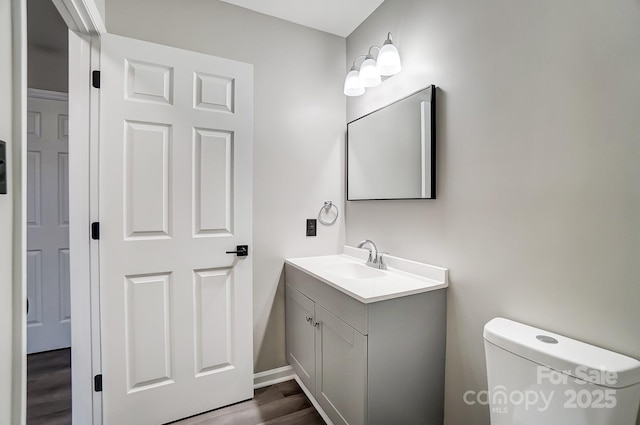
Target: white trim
79,240
81,16
273,376
48,95
92,199
313,401
19,189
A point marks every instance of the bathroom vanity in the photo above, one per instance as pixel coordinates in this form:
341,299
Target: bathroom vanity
368,345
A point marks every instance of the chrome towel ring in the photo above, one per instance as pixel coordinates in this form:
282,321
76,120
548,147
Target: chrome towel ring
326,216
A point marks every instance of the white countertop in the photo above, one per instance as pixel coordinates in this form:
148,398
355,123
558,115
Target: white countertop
350,275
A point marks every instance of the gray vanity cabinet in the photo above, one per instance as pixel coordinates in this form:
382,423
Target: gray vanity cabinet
300,332
329,356
374,363
341,367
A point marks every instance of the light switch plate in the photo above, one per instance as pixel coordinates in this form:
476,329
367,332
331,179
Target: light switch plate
312,226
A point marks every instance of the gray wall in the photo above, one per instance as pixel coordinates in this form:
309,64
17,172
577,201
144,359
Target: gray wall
47,47
538,209
100,5
299,127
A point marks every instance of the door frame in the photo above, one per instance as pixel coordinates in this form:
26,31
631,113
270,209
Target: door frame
83,197
85,27
14,392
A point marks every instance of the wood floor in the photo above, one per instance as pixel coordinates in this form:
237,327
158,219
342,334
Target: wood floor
49,388
49,399
281,404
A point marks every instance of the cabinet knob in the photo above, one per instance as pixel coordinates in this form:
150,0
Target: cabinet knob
309,319
316,324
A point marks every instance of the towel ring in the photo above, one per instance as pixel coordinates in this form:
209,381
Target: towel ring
326,211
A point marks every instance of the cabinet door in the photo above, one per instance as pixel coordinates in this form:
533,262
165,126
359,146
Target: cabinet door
301,336
341,364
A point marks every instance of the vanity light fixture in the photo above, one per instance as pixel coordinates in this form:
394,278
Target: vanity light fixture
371,70
369,74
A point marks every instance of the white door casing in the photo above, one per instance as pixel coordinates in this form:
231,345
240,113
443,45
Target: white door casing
48,319
7,207
175,194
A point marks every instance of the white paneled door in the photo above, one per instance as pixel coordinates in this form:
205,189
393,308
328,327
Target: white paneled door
175,195
48,319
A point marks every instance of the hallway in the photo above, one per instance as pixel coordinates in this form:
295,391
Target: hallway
49,388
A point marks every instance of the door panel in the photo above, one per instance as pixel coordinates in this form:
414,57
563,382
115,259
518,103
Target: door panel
212,182
63,186
175,194
146,180
213,320
34,189
48,320
34,288
341,356
64,280
148,331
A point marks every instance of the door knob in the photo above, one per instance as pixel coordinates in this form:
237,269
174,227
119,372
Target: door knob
241,250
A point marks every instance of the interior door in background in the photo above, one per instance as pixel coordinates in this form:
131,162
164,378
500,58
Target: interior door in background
175,195
49,316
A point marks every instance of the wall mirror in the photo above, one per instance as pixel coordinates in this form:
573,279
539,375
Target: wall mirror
391,151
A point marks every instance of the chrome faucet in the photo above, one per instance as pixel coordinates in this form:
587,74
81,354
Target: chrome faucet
375,258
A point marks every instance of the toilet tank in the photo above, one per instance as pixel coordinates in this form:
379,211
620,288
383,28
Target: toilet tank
537,377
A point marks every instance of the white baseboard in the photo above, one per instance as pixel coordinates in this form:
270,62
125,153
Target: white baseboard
282,374
313,401
273,376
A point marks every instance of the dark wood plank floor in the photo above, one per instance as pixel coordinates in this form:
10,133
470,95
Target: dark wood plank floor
49,399
49,388
281,404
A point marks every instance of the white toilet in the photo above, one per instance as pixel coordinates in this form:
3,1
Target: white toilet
537,377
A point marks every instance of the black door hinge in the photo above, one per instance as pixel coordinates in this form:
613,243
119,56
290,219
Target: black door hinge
97,383
95,230
95,79
3,168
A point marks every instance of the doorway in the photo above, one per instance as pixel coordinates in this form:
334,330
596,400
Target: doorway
47,219
228,96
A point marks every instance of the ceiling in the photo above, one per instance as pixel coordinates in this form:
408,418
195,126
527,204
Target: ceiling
46,31
339,17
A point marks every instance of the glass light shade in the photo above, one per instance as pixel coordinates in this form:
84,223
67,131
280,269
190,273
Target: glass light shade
352,84
369,75
389,59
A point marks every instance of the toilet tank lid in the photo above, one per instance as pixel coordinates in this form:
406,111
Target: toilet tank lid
575,358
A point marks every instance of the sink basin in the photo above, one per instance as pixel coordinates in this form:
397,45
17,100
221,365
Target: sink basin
354,271
349,274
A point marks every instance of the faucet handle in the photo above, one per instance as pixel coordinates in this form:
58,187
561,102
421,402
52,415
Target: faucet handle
381,264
